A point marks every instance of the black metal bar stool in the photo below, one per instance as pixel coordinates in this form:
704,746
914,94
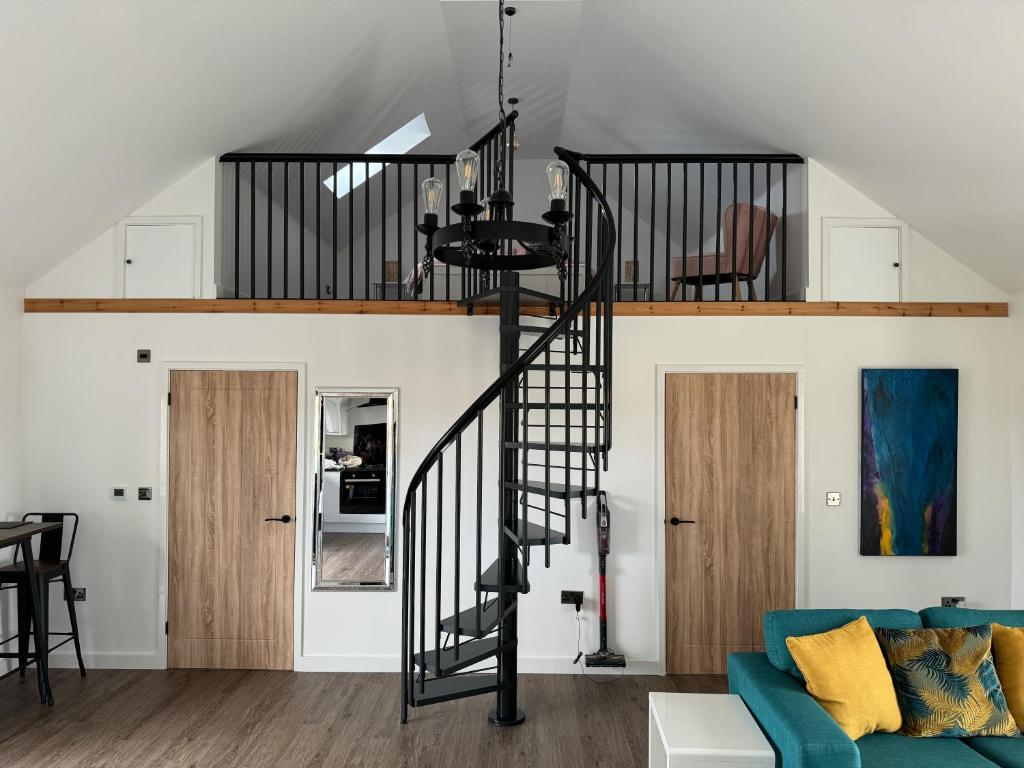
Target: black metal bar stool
51,565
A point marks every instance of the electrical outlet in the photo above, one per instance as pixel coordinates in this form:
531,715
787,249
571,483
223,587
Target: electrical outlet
120,493
951,602
833,499
143,355
78,594
572,597
145,494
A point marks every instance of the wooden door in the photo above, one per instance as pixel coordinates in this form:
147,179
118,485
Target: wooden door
730,468
231,572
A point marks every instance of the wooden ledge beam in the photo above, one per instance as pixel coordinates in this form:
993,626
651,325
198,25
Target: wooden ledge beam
622,308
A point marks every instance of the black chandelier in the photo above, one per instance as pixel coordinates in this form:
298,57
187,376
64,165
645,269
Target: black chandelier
486,235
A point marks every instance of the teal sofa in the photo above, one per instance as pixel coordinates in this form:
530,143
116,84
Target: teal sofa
804,736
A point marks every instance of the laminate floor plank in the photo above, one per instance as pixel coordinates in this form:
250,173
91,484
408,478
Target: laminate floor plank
240,719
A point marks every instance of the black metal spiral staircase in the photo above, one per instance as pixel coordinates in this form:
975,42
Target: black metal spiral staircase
508,476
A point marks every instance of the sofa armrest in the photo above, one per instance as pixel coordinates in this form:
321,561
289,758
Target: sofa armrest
801,732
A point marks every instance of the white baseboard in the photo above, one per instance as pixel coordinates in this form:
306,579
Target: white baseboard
528,664
64,660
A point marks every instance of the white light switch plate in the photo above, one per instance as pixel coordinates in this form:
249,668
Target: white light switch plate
833,499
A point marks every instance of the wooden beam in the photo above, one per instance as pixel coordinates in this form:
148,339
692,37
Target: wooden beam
622,308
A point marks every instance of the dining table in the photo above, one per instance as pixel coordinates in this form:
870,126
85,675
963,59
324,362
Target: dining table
20,535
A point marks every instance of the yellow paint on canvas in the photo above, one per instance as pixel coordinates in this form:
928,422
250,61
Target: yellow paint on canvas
927,527
884,520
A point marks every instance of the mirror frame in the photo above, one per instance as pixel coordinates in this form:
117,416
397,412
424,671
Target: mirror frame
319,584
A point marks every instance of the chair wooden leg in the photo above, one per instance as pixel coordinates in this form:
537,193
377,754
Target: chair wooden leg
675,289
751,291
24,628
69,598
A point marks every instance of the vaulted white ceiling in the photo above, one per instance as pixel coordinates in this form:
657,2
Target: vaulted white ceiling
918,104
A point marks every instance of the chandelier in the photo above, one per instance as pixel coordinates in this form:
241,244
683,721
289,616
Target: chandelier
486,235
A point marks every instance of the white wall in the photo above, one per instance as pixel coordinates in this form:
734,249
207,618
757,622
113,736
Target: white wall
10,429
1016,417
87,388
89,273
930,274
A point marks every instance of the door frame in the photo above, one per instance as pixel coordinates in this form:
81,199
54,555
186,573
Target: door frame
299,515
800,519
828,223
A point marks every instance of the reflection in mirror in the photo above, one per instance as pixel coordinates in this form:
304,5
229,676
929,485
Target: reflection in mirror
355,530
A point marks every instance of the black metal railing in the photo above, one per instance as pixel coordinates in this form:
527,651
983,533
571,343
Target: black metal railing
340,226
704,227
541,432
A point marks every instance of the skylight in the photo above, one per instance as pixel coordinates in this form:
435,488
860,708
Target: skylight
410,135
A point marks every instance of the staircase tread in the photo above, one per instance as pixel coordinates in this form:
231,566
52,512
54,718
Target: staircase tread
538,445
535,485
527,297
447,688
489,579
470,652
537,534
467,625
572,367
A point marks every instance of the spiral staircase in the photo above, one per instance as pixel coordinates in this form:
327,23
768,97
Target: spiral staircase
507,478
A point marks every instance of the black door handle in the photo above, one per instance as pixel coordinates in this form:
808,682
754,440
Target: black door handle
677,521
283,519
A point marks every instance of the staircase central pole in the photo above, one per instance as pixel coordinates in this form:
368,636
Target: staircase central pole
505,711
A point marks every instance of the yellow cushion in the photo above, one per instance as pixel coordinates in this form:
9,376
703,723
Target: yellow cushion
1008,649
846,674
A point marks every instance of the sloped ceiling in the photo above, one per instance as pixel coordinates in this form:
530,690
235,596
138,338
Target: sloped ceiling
918,104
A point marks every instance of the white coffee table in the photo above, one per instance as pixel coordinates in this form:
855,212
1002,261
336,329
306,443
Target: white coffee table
707,729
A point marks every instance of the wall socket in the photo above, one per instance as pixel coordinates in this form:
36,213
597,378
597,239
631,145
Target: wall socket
145,494
120,493
833,499
78,594
951,602
572,597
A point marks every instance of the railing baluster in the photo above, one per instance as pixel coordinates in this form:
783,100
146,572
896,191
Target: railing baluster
351,231
440,550
668,235
366,231
423,585
270,231
686,224
287,217
302,230
589,253
750,238
415,235
635,258
735,219
782,244
334,233
618,270
383,229
252,230
238,216
457,528
319,280
718,230
547,457
398,233
479,509
767,230
650,267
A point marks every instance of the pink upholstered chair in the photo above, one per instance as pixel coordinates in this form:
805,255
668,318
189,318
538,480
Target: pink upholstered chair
718,267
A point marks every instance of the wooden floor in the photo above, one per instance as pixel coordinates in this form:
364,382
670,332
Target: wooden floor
231,719
353,556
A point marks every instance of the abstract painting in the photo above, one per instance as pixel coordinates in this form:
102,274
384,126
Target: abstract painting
908,461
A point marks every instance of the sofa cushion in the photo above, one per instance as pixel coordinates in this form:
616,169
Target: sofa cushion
846,674
969,617
1008,653
1008,753
778,625
946,682
891,750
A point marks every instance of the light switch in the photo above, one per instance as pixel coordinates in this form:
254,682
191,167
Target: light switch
120,493
833,499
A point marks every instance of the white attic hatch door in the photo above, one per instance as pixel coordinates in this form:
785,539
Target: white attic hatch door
158,257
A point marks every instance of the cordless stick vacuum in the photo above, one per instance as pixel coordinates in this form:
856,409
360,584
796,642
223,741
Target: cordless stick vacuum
603,657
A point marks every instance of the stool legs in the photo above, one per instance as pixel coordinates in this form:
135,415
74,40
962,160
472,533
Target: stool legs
24,628
70,600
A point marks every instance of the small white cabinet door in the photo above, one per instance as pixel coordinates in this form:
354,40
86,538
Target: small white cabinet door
159,261
864,262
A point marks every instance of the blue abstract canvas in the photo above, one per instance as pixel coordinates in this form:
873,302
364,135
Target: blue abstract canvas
908,461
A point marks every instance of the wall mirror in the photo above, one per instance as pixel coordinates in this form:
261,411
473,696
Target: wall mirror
354,529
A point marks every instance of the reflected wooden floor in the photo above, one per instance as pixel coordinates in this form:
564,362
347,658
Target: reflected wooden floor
231,719
353,557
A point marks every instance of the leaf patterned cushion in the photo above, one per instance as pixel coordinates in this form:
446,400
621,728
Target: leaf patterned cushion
946,682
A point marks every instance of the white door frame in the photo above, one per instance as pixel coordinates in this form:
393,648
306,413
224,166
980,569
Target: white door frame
800,520
300,492
121,248
828,223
